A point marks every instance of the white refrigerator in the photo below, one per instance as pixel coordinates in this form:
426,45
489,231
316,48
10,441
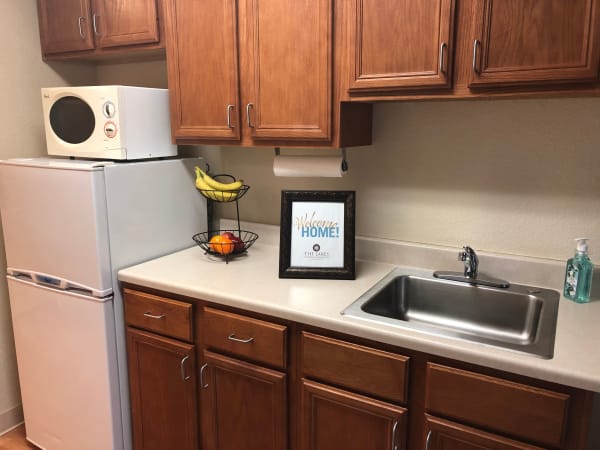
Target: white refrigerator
69,226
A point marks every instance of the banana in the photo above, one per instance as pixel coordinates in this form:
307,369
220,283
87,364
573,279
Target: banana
212,193
201,185
217,185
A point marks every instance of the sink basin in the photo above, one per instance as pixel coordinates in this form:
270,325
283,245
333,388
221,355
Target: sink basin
519,318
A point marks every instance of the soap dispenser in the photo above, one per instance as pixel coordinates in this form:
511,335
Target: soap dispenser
579,273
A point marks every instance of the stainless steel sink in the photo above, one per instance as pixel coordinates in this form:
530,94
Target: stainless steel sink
519,318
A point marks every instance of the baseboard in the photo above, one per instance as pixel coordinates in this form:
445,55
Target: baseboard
11,419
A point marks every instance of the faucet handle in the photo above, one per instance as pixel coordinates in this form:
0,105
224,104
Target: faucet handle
462,256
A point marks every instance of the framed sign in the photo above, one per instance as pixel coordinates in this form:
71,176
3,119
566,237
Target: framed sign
317,234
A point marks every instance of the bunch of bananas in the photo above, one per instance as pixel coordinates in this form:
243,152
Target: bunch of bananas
215,190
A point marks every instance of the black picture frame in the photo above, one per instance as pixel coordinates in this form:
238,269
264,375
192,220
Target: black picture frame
306,199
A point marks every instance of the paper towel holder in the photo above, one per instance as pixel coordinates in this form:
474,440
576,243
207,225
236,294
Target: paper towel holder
343,150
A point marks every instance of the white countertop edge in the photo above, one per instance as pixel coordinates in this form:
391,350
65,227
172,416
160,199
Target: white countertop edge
565,368
474,353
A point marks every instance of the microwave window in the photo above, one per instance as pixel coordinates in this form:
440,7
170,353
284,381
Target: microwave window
72,120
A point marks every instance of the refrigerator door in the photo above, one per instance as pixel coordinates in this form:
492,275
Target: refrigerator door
54,220
153,209
64,343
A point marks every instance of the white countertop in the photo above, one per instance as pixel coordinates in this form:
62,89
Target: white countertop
251,282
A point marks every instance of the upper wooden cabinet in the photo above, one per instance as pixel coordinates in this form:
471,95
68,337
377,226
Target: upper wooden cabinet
65,25
405,49
401,44
90,27
535,42
257,72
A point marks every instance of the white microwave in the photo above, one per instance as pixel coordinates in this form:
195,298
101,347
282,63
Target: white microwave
107,122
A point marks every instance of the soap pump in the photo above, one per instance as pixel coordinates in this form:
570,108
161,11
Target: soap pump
579,273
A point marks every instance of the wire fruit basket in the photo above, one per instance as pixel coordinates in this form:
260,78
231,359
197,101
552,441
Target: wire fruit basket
237,242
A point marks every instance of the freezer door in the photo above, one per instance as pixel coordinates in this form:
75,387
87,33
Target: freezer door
154,209
66,357
54,222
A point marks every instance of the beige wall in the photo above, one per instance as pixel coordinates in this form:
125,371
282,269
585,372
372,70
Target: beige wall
511,176
22,75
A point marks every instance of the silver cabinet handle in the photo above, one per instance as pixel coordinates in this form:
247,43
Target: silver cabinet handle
152,316
427,439
476,44
229,109
232,337
443,48
394,429
183,375
95,24
80,20
249,107
202,369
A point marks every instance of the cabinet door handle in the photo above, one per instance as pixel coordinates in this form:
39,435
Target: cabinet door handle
229,109
249,107
202,369
184,377
95,24
232,337
394,430
152,316
476,44
80,20
427,440
443,48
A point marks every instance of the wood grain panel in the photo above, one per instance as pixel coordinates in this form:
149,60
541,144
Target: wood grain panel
130,22
355,367
529,41
243,406
533,414
446,435
170,317
163,403
290,56
265,342
402,44
202,65
337,419
60,22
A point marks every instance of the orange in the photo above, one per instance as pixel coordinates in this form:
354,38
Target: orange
221,244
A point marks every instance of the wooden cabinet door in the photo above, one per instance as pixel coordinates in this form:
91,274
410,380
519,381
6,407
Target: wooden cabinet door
288,75
535,42
65,25
162,381
118,22
446,435
399,44
243,405
335,419
202,64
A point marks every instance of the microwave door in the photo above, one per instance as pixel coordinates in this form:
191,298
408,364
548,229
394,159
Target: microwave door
72,120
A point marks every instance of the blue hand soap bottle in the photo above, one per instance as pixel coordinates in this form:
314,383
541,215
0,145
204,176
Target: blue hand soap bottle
579,273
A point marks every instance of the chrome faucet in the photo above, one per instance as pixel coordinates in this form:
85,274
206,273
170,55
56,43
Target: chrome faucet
471,274
471,261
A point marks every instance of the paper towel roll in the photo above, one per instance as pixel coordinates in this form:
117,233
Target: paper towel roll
309,166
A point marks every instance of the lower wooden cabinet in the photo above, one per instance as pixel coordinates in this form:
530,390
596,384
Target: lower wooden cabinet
332,418
446,435
268,384
162,382
243,405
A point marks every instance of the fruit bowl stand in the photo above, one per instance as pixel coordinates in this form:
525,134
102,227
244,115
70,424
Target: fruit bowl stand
245,238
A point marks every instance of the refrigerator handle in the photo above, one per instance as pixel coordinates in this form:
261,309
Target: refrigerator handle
45,279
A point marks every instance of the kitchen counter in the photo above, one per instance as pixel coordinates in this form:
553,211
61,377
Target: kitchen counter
251,283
